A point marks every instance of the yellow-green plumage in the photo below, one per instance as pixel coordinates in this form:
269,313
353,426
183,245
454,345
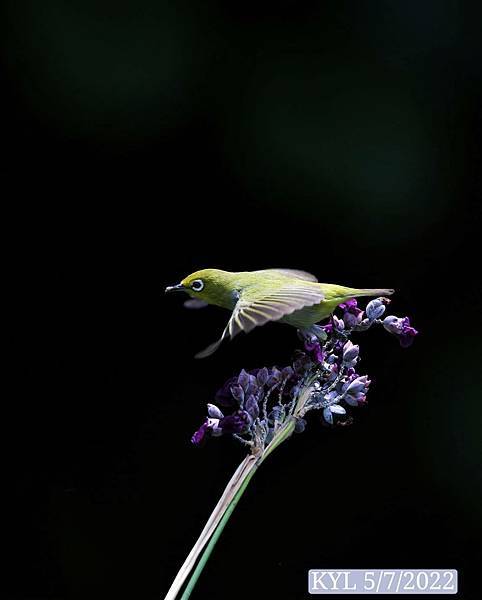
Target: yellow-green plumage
256,297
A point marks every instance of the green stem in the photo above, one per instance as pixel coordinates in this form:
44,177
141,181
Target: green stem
212,542
247,465
284,432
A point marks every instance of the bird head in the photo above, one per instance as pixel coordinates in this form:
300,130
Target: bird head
210,285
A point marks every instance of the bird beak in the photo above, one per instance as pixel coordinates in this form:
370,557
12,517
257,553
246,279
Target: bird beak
175,288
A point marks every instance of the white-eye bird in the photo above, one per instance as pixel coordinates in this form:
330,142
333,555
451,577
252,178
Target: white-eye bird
256,297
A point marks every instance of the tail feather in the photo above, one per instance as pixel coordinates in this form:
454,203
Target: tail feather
374,292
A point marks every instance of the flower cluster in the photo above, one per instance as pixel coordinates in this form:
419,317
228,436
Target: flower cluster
255,404
247,396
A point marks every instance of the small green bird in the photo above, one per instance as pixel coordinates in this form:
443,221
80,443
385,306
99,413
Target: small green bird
256,297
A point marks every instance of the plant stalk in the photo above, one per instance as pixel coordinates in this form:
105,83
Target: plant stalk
223,510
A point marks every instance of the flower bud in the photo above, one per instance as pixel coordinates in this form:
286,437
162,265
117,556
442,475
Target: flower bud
274,377
262,376
375,309
392,324
328,415
328,328
334,370
213,425
214,412
300,425
356,399
287,373
239,422
319,332
330,396
401,328
275,413
364,325
252,406
358,385
350,352
238,393
199,437
243,379
350,320
295,390
252,387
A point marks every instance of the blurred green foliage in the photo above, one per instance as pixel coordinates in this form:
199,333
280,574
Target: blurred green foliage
321,111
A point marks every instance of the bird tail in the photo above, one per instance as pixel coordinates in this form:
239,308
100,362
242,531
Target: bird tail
373,292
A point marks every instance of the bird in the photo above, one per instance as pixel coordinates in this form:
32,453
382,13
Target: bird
254,298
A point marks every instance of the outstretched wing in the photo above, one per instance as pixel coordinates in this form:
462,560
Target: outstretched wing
195,303
296,273
274,305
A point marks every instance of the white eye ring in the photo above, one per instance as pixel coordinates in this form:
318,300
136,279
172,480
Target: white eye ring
197,285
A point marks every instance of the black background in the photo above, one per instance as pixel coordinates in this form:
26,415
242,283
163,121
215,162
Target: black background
146,140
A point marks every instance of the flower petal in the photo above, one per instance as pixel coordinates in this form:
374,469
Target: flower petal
327,415
214,412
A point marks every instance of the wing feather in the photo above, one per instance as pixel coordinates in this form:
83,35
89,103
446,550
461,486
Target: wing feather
195,303
254,312
295,273
212,347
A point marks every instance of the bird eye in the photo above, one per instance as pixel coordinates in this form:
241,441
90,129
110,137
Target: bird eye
197,285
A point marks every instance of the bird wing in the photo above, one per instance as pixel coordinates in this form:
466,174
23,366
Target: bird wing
252,312
195,303
296,273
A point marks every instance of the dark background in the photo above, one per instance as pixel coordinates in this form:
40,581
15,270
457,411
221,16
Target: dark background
145,140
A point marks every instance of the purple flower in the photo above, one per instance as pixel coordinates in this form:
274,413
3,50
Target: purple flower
364,325
360,384
236,423
224,396
376,308
243,379
209,428
351,306
322,377
287,373
401,328
350,373
237,393
350,352
274,377
338,324
408,335
319,332
392,324
300,425
313,346
214,412
262,376
201,434
274,414
355,400
328,328
351,320
213,425
331,396
329,411
352,315
301,364
252,407
334,370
